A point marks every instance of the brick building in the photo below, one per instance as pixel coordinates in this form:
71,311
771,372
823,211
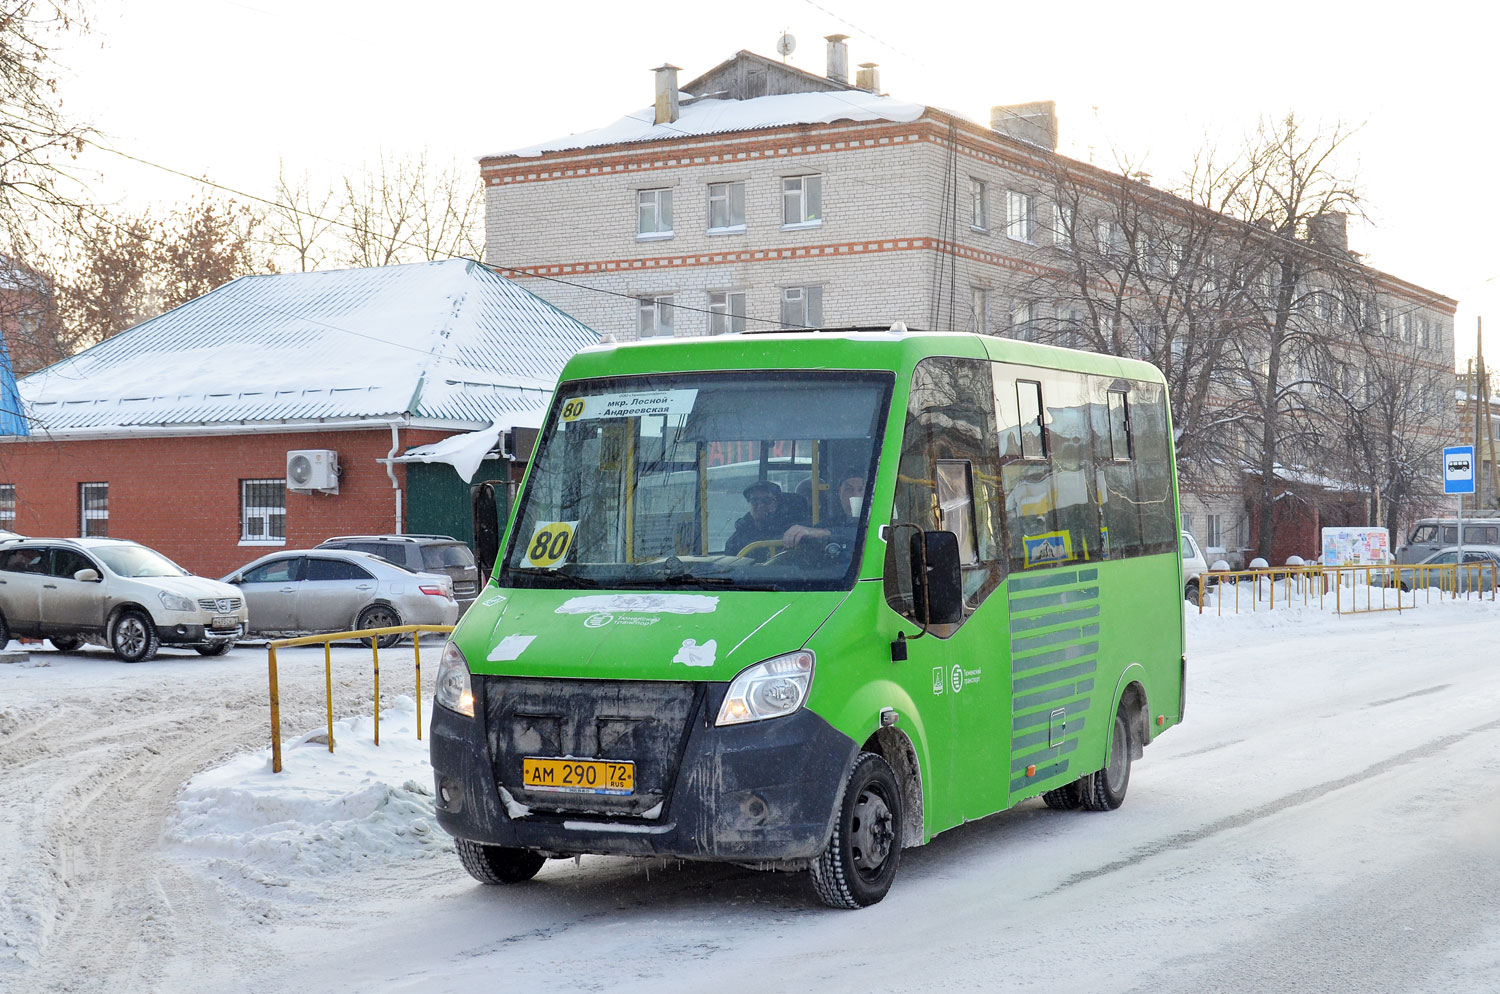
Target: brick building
761,195
183,432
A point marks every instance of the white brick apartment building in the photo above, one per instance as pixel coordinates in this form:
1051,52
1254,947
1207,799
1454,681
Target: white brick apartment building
763,196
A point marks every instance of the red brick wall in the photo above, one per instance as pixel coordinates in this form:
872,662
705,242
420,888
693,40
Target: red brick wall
181,496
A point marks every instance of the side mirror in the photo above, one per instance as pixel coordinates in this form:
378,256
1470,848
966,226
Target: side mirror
87,576
236,580
936,578
486,526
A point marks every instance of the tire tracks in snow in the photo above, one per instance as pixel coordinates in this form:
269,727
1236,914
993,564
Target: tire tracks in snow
99,906
1270,808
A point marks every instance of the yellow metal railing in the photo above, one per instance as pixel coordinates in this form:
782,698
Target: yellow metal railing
1352,589
373,634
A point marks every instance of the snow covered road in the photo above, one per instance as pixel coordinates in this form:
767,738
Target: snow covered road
1327,819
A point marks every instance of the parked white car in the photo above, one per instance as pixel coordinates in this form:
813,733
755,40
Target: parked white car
316,591
113,593
1193,567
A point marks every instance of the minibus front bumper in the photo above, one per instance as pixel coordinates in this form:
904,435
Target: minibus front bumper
763,791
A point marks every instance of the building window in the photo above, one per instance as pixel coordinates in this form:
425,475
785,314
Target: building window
653,213
1062,226
263,511
8,506
655,316
1020,219
978,192
802,307
801,200
93,506
1213,531
1405,324
1424,333
1023,321
979,310
726,312
726,207
1111,238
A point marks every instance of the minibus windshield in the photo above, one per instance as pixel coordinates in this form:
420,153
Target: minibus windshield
755,480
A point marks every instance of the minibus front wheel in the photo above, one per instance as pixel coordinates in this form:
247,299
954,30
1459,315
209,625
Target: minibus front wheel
857,868
498,864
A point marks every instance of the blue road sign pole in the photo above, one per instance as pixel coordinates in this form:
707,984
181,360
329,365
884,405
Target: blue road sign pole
1458,479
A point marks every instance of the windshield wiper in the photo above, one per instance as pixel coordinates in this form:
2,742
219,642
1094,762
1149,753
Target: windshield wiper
556,576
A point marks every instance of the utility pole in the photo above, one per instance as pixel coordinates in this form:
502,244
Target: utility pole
1489,425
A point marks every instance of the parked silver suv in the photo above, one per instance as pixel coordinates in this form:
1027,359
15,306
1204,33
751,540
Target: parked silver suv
120,594
421,554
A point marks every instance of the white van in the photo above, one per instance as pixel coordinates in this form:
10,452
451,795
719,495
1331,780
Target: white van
1429,535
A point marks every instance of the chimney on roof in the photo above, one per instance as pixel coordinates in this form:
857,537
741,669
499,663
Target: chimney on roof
868,77
1034,123
838,59
666,93
1329,231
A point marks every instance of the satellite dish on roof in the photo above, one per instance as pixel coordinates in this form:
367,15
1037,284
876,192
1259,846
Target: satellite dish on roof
786,45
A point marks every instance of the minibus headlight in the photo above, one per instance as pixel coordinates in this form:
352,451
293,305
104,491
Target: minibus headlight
769,689
454,690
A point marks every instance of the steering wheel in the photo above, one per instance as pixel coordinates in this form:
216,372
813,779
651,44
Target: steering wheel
771,544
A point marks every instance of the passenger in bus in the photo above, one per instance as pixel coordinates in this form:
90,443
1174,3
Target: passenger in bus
838,525
771,513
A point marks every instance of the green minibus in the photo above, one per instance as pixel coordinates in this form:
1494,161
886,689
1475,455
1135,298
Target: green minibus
961,589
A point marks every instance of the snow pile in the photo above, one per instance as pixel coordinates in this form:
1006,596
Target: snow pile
325,812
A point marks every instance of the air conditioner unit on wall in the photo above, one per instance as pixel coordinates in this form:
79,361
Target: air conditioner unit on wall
310,470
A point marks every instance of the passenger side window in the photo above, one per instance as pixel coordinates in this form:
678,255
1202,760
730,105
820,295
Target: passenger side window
1482,535
1423,534
335,569
948,478
275,571
1450,534
66,562
24,561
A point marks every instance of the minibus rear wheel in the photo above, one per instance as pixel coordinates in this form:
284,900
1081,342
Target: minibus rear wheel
857,868
1105,790
498,864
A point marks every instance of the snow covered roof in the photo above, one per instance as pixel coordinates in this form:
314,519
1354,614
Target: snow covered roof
713,116
447,341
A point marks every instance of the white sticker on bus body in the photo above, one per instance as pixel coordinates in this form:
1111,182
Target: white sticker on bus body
640,604
510,648
693,654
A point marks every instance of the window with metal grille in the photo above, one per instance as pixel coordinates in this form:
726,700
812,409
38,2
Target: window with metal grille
8,506
93,508
263,511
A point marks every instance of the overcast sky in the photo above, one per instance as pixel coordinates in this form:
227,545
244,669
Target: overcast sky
221,88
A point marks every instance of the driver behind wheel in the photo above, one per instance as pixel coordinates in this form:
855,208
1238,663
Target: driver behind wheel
771,513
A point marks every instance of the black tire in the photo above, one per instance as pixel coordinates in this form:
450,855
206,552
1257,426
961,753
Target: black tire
65,643
1105,789
380,616
133,637
1190,592
217,649
1068,797
498,864
4,632
857,868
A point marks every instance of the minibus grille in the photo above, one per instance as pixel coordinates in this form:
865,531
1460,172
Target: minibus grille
644,722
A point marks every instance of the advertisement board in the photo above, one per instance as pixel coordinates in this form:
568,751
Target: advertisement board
1356,546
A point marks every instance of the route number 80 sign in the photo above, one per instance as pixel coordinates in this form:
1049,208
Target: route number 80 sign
549,544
